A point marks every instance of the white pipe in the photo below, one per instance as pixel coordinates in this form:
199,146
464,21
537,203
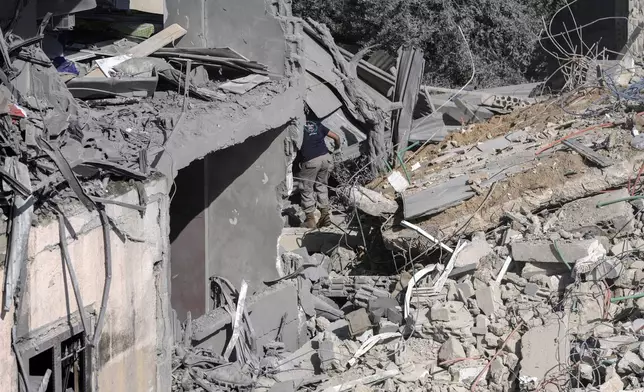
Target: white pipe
426,235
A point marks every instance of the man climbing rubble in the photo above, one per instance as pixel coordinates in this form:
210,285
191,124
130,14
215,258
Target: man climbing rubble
315,167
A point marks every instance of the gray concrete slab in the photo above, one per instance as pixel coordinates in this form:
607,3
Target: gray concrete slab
585,216
438,198
545,251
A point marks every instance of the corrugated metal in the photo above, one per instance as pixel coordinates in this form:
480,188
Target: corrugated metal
411,65
382,60
320,97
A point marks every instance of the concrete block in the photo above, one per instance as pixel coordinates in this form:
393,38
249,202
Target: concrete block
545,252
458,316
328,310
359,321
630,363
394,315
412,374
439,312
465,289
547,269
491,340
466,372
473,252
583,215
379,306
489,299
450,350
328,355
498,372
266,311
531,289
387,326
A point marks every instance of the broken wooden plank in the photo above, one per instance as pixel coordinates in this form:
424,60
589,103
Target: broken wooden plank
144,49
598,159
157,41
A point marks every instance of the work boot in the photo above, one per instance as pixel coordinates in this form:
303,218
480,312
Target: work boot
325,218
310,221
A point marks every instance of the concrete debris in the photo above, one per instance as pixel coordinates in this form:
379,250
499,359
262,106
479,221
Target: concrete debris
359,321
451,350
370,202
489,299
549,252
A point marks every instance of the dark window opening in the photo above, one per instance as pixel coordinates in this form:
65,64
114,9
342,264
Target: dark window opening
38,366
66,357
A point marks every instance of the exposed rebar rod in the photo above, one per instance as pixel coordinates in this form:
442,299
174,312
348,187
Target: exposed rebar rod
108,277
627,297
72,275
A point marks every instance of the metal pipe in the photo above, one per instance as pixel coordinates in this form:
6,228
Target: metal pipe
108,277
72,275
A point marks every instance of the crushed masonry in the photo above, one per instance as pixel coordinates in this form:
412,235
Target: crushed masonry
476,239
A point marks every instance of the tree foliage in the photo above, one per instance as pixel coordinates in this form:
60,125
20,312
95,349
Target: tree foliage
501,36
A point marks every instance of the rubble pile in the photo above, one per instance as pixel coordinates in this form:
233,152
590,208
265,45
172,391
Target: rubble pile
522,269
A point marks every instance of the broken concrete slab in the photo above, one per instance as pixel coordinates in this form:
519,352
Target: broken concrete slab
465,289
542,348
585,216
329,356
436,199
630,363
466,372
546,252
325,309
277,309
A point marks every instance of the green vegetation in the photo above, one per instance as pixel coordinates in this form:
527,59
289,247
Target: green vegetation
502,34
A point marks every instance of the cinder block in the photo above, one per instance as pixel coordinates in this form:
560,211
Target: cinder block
359,321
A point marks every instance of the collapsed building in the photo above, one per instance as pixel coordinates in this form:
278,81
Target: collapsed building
151,233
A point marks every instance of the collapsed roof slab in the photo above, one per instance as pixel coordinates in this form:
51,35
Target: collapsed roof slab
547,184
206,129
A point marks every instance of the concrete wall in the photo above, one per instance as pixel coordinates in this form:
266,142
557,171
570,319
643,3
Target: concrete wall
244,25
188,241
243,217
226,219
238,184
134,348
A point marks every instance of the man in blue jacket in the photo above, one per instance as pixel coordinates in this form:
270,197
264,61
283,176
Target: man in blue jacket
315,168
